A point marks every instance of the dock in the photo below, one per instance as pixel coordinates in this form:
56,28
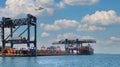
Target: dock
72,47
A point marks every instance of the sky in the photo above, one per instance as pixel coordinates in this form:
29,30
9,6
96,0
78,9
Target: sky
61,19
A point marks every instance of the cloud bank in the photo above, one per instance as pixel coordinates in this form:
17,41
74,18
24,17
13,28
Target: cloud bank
15,8
102,17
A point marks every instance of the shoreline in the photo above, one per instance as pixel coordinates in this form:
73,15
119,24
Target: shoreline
14,55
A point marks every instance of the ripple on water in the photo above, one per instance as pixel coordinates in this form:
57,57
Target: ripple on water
98,60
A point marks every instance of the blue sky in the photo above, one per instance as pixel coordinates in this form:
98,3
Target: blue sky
60,19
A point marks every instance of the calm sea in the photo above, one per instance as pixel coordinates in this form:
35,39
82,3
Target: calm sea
97,60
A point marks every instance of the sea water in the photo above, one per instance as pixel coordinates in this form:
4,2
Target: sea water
96,60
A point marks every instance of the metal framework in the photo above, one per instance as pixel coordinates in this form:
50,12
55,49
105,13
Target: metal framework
76,42
14,25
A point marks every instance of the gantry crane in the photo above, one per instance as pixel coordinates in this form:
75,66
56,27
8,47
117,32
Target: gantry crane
14,25
78,43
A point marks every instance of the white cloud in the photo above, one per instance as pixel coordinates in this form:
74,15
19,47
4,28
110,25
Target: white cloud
111,41
66,23
17,7
104,42
110,45
87,37
72,36
115,38
86,27
49,27
80,2
66,36
62,5
45,34
60,24
102,17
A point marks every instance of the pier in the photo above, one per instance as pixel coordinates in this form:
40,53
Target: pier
72,47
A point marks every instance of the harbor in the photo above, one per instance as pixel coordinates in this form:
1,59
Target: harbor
59,33
72,47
